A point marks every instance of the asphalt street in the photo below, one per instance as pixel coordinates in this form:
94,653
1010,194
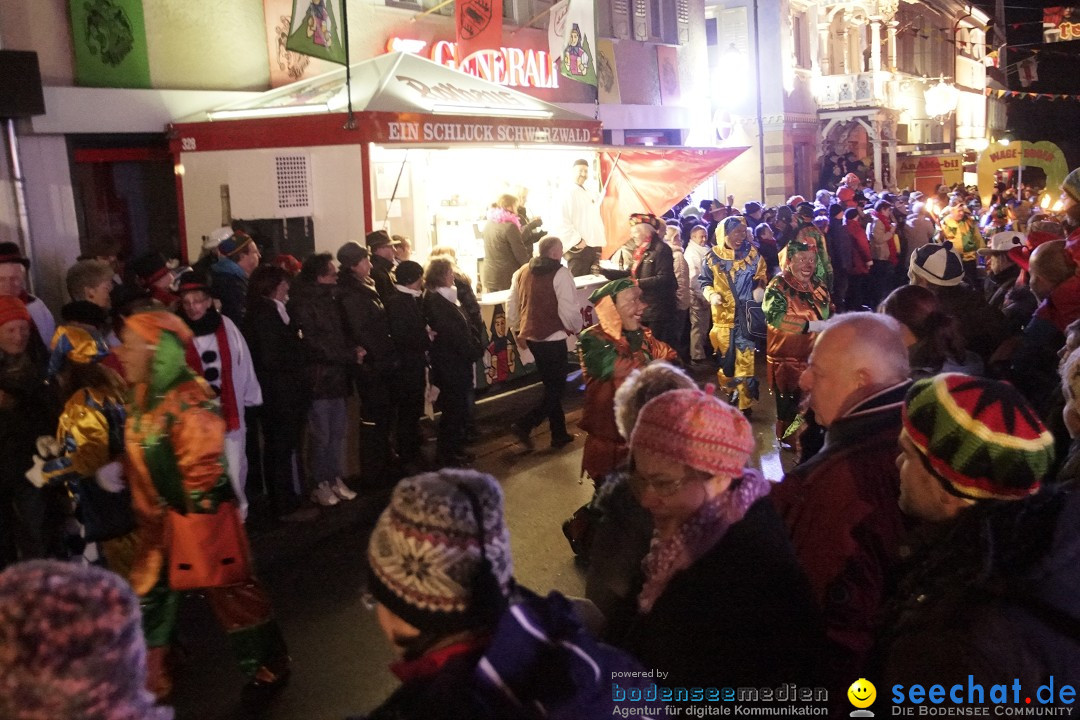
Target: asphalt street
315,572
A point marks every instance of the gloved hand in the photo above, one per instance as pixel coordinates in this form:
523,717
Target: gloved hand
48,446
35,475
110,477
759,294
716,300
815,326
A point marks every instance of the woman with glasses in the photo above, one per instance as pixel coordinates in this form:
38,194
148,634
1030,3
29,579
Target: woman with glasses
724,602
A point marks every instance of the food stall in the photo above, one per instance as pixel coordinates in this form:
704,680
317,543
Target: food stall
426,152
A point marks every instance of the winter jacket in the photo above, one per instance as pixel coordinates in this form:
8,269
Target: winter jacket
983,327
466,295
839,242
329,356
841,511
682,275
994,597
920,230
538,662
228,283
278,355
861,257
504,252
381,270
366,325
741,615
456,347
1035,360
882,241
1015,301
408,329
659,289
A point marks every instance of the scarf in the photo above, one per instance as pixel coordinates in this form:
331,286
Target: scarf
885,219
502,215
639,255
698,535
205,326
450,293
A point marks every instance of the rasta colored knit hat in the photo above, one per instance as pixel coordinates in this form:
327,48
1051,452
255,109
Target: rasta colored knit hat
695,429
1071,185
980,437
937,265
440,553
71,645
12,309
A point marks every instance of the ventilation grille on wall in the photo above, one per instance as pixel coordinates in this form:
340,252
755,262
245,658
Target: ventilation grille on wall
293,185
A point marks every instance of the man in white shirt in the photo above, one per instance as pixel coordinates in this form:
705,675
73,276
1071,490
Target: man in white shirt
700,316
13,268
577,222
543,312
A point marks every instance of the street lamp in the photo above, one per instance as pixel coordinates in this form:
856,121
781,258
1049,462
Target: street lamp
941,100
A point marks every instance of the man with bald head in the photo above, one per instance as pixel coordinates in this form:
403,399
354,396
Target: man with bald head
1056,286
840,505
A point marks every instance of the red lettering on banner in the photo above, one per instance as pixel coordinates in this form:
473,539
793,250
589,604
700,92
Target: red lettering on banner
514,67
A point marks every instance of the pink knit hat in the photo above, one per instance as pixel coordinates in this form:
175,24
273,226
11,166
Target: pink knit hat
695,429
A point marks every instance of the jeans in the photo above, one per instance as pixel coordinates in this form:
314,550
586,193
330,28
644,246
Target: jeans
551,366
327,426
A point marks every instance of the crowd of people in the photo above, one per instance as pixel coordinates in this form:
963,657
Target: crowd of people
924,358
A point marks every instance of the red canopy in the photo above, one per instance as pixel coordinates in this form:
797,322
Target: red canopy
638,180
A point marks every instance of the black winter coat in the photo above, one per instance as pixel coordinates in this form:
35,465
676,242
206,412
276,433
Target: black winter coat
381,270
656,278
328,355
366,323
29,408
408,329
456,347
742,615
469,304
278,356
231,290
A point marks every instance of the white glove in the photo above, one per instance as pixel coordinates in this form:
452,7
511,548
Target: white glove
48,446
35,475
110,477
716,300
759,294
815,326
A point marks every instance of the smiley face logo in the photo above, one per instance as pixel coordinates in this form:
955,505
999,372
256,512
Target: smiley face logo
862,693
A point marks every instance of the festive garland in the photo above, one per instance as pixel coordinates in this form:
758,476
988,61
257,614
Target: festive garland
1014,94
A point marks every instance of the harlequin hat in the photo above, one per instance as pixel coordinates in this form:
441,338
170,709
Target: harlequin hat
937,265
77,345
149,324
648,218
611,289
695,429
980,437
439,555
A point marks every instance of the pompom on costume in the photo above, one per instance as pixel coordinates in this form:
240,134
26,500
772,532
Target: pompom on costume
175,438
608,354
733,275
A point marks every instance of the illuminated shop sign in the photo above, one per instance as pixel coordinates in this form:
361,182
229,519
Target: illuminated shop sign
513,67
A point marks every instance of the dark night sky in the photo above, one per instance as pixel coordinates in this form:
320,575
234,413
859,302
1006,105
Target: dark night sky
1059,72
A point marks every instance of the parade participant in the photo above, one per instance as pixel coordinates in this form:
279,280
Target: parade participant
27,411
733,274
724,600
13,269
88,441
810,234
469,642
840,505
220,354
609,351
577,222
796,307
188,522
239,256
993,595
72,648
543,312
959,227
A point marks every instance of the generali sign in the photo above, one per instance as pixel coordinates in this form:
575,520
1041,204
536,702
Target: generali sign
510,66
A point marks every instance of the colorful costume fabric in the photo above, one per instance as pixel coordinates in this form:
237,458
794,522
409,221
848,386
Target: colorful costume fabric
734,349
608,354
788,307
175,438
809,235
963,234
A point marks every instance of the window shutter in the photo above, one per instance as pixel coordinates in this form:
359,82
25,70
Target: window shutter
641,19
682,21
620,19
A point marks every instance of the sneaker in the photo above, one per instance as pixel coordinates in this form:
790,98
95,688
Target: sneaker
324,495
342,490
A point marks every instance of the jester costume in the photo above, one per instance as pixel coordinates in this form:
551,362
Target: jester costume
608,354
809,235
789,306
89,435
175,439
734,275
963,234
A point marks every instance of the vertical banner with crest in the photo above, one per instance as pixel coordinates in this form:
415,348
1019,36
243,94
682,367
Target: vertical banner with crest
109,38
314,31
287,66
571,39
479,26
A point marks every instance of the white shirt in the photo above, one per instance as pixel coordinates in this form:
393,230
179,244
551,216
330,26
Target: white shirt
565,293
577,216
695,258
